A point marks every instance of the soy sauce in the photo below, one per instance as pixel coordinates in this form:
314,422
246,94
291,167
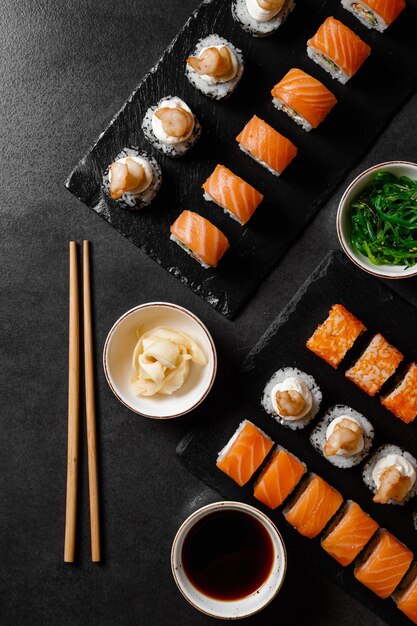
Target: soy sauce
227,555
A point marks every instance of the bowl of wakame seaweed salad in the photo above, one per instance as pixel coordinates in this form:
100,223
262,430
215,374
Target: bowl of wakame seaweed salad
377,220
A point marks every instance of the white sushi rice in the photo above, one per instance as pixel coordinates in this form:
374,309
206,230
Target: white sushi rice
268,167
225,451
279,377
170,150
217,91
143,199
259,29
379,454
374,20
298,119
210,198
327,64
189,251
318,436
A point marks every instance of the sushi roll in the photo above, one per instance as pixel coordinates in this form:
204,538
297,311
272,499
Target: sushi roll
343,436
348,534
235,196
292,397
405,596
199,238
376,364
304,98
338,50
383,564
391,474
402,401
171,127
261,18
266,146
282,474
313,507
332,339
133,179
215,68
377,14
244,453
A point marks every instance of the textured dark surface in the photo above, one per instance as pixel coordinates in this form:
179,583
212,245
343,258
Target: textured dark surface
324,155
64,69
336,280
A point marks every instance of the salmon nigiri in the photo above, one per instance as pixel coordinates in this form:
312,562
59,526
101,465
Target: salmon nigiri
278,479
349,534
406,596
337,49
239,199
244,453
266,145
378,14
304,98
199,238
384,565
314,507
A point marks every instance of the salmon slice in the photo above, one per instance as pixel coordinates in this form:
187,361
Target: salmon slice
336,335
341,45
244,453
266,145
304,94
200,238
385,565
278,479
349,535
402,401
406,597
232,193
313,507
377,363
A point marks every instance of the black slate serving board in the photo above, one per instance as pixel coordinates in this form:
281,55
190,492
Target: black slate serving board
334,281
364,106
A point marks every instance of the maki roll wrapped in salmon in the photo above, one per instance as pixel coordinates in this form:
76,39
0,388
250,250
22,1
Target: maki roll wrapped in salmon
281,475
377,14
338,50
199,238
133,179
261,18
405,596
304,98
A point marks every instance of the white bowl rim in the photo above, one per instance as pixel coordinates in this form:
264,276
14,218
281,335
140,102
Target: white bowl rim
340,209
246,507
168,305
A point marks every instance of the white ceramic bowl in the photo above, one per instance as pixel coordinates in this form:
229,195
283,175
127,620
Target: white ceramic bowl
230,609
399,168
118,351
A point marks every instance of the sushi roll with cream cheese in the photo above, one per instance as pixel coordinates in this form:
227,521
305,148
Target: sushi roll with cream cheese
261,17
171,127
215,67
133,179
391,474
203,241
377,14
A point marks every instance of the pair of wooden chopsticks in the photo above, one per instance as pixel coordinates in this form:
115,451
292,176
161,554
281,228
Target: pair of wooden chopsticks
74,407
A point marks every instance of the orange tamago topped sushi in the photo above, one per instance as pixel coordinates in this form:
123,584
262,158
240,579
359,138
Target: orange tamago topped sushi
402,401
313,507
199,238
377,14
384,564
266,145
349,534
279,478
336,335
239,199
304,98
406,596
244,453
337,49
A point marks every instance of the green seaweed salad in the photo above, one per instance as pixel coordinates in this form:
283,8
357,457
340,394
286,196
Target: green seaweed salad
383,220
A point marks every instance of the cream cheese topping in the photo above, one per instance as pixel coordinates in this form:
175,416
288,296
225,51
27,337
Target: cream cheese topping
393,460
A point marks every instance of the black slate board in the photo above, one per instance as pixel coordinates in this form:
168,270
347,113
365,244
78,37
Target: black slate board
325,155
334,281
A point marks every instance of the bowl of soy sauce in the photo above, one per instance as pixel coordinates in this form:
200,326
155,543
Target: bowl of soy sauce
228,560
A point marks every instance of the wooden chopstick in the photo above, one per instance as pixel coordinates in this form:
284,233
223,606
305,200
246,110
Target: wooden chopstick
73,406
90,408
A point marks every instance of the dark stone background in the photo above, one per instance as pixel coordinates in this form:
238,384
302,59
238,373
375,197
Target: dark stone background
65,68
